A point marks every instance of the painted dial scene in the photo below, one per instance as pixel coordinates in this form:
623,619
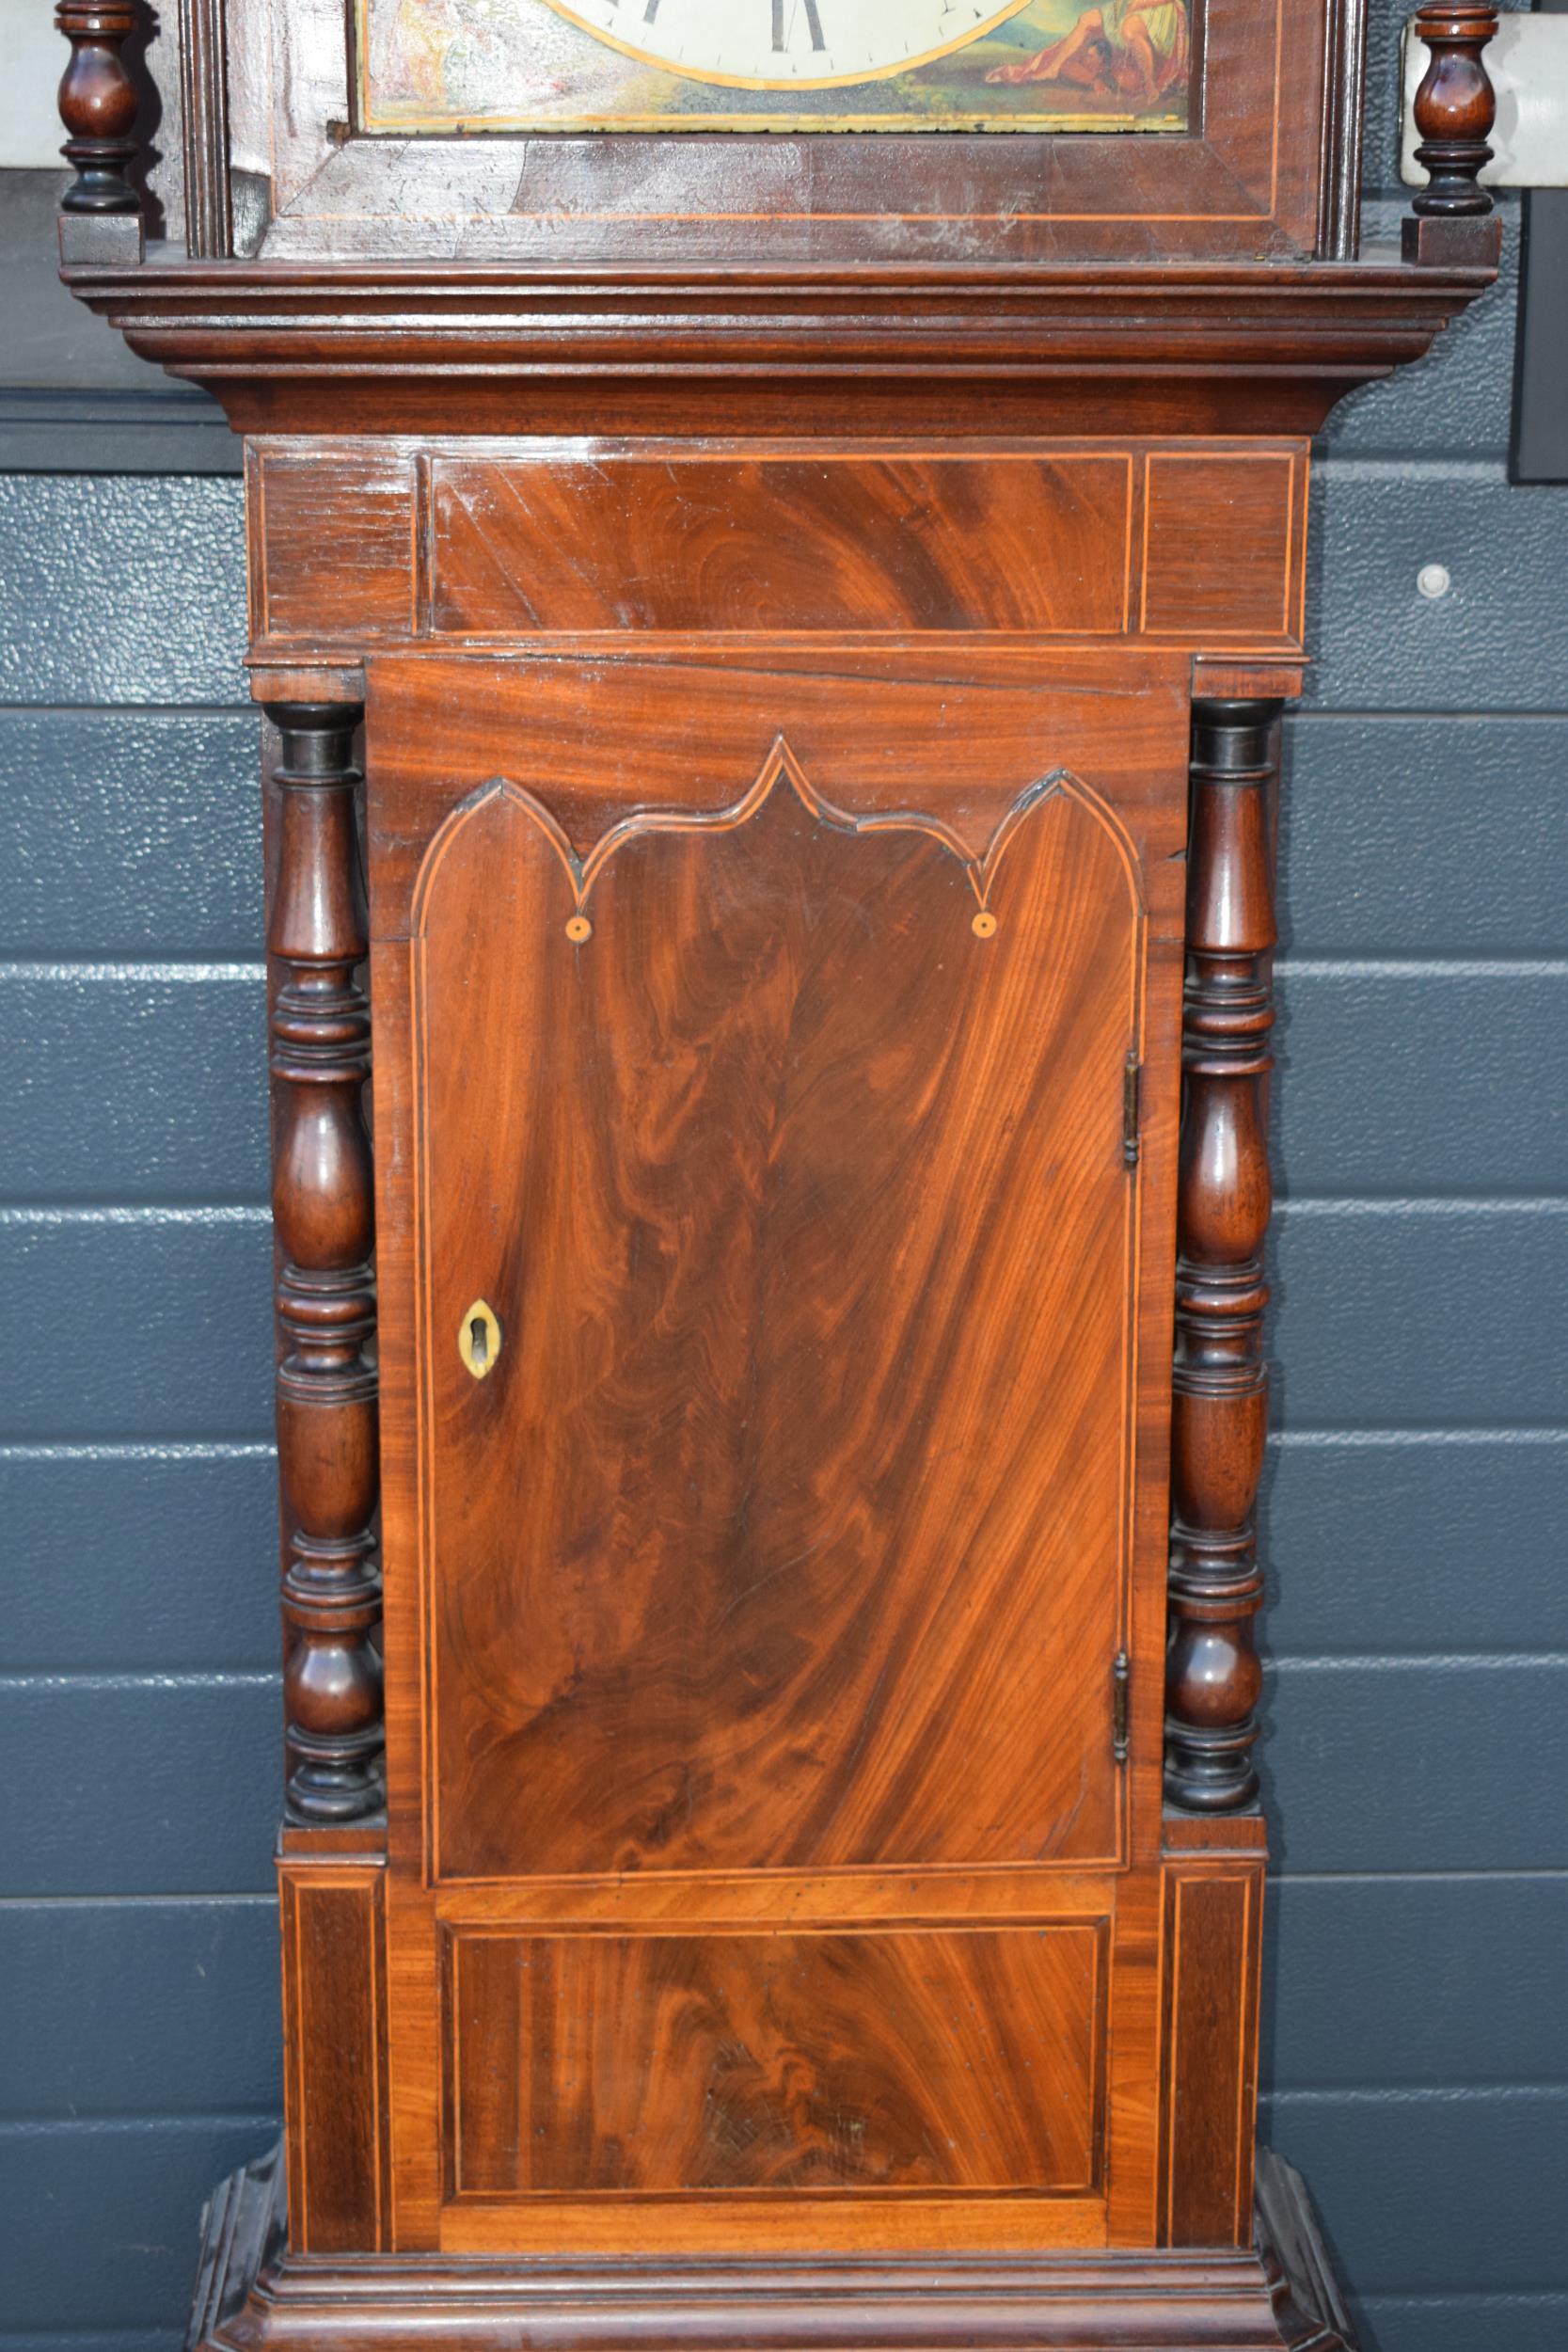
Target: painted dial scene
782,43
674,65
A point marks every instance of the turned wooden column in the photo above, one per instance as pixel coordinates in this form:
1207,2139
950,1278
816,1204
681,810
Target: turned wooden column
98,105
1456,108
323,1211
1220,1409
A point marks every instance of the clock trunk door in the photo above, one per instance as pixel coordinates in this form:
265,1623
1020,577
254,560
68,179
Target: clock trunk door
786,1449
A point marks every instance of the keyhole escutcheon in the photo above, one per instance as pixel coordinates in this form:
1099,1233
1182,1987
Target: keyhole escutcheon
479,1339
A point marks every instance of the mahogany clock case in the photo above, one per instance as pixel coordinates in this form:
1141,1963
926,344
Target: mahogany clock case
771,774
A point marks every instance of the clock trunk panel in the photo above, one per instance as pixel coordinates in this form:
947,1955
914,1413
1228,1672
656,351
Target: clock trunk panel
787,1341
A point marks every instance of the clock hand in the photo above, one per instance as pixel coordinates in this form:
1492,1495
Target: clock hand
814,25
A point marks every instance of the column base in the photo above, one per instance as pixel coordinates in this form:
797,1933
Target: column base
252,2295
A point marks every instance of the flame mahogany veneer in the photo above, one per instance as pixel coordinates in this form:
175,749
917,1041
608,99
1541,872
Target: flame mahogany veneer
772,652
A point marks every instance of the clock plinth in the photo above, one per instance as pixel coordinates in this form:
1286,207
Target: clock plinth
772,653
1278,2294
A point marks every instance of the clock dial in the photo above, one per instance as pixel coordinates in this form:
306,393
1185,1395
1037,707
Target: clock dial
786,44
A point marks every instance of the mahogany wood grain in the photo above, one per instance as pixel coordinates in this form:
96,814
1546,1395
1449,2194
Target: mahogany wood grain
1456,108
323,1216
1278,2296
342,546
1219,1415
773,2225
1224,544
98,105
432,541
335,2022
1245,180
1213,1927
815,539
758,1192
828,2062
604,739
941,344
612,737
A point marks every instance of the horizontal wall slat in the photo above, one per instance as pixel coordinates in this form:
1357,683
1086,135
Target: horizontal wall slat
1439,1765
122,590
160,1559
122,1086
172,1786
154,1787
1396,1982
1418,2194
1435,1083
128,833
91,610
126,1085
1405,1316
1416,1545
1344,2007
1498,639
1409,836
1396,1316
200,1979
136,1328
95,2340
102,2221
1406,1547
1464,2323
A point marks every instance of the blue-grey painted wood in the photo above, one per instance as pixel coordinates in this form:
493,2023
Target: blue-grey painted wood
94,2340
122,1559
1420,1314
140,1785
1423,2192
147,1082
1419,1543
1416,1764
99,578
1392,1315
120,2009
200,1976
1443,1079
101,2219
1467,2323
76,554
1376,524
1349,2008
1423,837
1458,399
133,1083
169,1784
135,1323
1399,836
130,833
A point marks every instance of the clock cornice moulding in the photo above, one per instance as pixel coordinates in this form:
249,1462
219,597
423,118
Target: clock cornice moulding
377,347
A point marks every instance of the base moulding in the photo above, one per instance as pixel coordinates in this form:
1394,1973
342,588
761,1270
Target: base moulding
253,2295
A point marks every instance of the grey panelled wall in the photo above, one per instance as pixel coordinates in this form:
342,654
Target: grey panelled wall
1419,1480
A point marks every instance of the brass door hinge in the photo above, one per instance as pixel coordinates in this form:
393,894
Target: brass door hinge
1121,1676
1132,1090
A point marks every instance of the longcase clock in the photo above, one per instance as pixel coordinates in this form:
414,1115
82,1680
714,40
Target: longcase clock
777,541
